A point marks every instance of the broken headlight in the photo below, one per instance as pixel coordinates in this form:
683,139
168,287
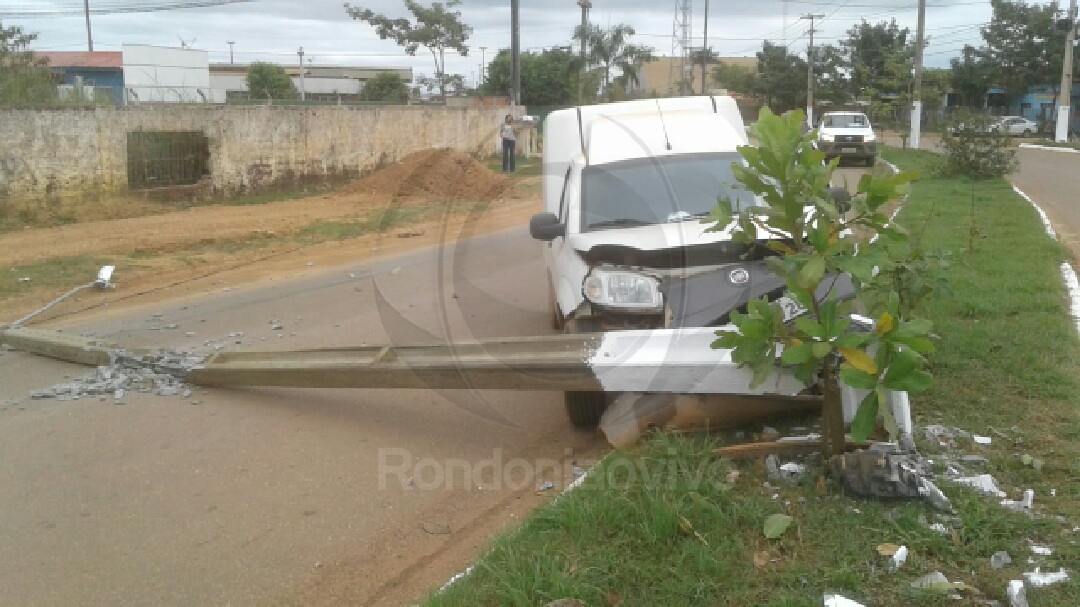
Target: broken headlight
627,291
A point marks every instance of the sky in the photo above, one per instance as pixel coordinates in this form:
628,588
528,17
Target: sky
273,30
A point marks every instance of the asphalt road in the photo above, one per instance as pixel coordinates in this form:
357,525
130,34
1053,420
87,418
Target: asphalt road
258,496
1052,179
277,496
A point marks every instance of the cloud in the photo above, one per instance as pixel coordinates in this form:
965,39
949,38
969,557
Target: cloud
274,29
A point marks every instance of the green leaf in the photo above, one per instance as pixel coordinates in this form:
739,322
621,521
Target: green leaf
796,355
866,418
810,327
812,273
776,525
915,381
821,349
857,379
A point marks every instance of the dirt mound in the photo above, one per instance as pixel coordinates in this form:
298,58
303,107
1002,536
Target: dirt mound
442,173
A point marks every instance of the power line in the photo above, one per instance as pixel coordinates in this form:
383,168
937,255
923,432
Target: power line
112,8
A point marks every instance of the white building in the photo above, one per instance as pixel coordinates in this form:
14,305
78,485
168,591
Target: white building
159,74
321,82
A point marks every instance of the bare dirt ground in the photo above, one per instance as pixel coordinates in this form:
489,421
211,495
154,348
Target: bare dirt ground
247,244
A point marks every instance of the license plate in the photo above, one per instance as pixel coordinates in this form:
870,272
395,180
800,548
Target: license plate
790,308
847,150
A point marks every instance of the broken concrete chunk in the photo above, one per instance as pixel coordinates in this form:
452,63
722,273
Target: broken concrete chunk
983,483
1000,559
1025,505
982,440
1039,579
1017,594
546,486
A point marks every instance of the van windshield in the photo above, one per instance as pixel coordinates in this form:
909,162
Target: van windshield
845,121
661,189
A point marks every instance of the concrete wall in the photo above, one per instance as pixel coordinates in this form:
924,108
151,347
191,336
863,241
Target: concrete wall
50,156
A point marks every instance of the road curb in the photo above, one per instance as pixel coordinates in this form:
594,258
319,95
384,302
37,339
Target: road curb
1048,148
1068,273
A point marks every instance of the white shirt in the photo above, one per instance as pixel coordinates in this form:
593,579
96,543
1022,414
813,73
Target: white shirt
507,132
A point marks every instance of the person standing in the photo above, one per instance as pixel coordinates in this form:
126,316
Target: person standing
509,145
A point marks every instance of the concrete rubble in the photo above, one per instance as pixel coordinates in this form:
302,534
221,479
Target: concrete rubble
1000,559
160,374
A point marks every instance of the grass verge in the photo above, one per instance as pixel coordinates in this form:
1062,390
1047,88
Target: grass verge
668,524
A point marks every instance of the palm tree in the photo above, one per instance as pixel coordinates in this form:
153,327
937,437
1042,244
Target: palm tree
611,49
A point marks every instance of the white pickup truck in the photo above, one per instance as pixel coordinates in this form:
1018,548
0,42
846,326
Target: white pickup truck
626,186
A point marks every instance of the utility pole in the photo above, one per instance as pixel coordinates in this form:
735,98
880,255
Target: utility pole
515,52
230,43
301,54
1061,133
585,6
483,65
705,54
916,96
89,36
810,68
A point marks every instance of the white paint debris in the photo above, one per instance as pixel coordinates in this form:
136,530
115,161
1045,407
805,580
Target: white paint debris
1041,550
1017,594
1039,579
1023,505
898,558
983,483
793,469
835,600
982,440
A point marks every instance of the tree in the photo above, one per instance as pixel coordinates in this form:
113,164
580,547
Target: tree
610,49
436,28
880,58
1024,46
824,345
24,78
734,78
971,77
269,81
781,78
830,79
547,78
387,87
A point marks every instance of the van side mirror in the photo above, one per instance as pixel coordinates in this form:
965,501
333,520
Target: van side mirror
841,199
546,227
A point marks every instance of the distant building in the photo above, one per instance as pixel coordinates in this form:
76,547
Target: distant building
334,83
1038,104
99,74
139,73
667,75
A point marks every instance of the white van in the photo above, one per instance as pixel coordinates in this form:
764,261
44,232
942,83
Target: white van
626,186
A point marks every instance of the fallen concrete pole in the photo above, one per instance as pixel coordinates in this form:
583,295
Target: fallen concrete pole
76,349
657,362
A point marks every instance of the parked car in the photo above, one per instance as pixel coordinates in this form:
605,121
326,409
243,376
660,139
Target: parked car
1015,126
847,135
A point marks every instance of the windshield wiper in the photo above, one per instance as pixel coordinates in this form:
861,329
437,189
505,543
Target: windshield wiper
620,223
